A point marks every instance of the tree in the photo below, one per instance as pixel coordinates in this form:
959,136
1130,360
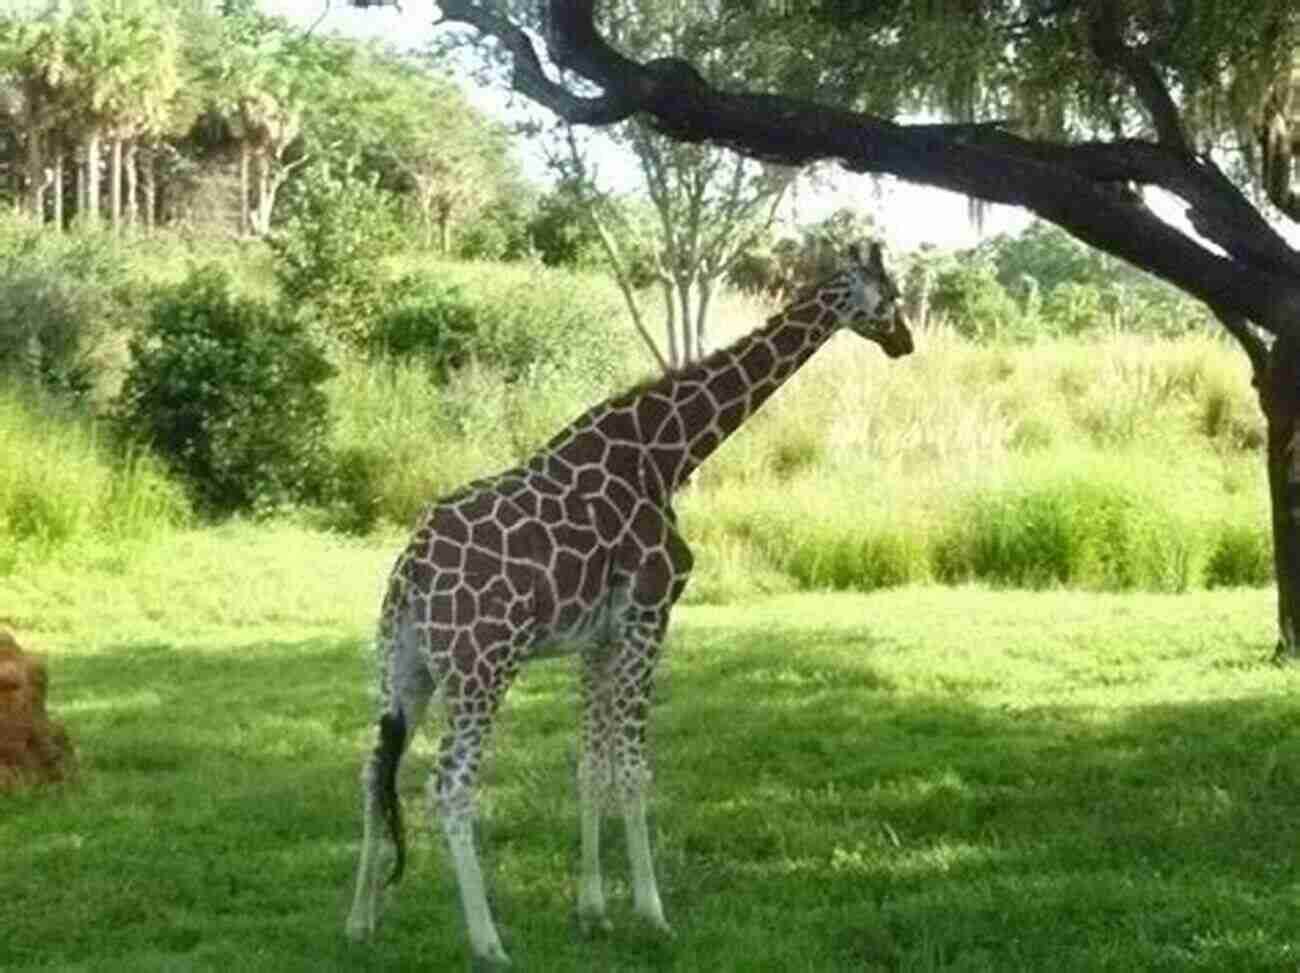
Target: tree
707,205
1062,107
430,143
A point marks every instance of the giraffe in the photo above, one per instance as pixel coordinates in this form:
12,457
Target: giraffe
575,550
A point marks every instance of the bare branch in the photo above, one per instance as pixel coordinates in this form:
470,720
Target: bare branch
529,78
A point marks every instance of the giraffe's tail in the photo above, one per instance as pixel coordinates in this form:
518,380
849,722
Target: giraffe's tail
388,754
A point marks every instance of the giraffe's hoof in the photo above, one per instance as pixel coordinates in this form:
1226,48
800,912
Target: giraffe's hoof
659,926
593,924
490,962
359,930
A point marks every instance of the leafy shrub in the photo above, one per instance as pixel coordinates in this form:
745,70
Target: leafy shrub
58,301
329,249
520,321
1240,555
433,321
227,390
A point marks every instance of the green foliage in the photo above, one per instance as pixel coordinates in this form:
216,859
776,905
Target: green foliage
935,779
60,300
431,320
227,390
968,294
1240,554
330,247
1094,532
62,481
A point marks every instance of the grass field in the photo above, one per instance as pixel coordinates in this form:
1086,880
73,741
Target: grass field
921,778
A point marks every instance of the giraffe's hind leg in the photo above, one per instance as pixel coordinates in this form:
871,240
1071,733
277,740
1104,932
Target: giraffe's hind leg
632,683
471,708
407,684
594,783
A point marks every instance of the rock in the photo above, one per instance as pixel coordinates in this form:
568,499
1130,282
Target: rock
33,748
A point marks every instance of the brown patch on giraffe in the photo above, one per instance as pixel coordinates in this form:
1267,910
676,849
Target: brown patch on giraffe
697,412
586,448
622,461
464,652
619,424
463,606
669,464
704,445
569,537
788,341
589,480
481,564
652,412
621,494
419,573
757,361
445,553
672,432
568,573
487,535
727,386
545,485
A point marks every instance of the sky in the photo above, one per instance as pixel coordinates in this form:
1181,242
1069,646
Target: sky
907,214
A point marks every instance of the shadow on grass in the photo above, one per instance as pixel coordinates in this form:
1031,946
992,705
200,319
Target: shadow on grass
811,814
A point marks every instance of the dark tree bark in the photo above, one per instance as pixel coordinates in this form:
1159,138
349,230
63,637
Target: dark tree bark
1253,285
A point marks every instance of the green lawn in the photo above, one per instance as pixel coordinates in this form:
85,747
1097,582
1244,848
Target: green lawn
918,779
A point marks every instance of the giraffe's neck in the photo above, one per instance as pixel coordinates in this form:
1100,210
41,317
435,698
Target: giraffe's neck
684,416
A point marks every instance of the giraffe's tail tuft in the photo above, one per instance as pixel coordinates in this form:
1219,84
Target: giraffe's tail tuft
392,743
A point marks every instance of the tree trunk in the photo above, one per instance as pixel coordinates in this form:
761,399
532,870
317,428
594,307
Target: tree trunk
245,226
115,185
35,176
1280,398
92,177
150,189
59,155
670,321
702,305
132,186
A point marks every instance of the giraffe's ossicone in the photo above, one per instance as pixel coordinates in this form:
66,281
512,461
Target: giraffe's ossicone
575,550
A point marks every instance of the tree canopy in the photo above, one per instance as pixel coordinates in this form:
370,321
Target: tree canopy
1067,108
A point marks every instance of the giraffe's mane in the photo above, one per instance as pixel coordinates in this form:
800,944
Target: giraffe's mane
666,380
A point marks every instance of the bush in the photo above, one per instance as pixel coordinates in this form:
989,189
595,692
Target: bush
58,300
519,321
432,321
227,391
328,251
1240,555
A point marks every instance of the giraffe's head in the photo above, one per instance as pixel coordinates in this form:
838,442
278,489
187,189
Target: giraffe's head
864,298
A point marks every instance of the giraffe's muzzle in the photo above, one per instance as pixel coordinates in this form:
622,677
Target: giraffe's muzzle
897,341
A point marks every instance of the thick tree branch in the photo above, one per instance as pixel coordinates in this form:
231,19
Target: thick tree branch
1071,186
1109,46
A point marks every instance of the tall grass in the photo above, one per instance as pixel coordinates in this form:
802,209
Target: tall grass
1116,463
1111,463
61,480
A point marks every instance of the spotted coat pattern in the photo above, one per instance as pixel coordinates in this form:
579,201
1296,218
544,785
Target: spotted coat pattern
578,549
